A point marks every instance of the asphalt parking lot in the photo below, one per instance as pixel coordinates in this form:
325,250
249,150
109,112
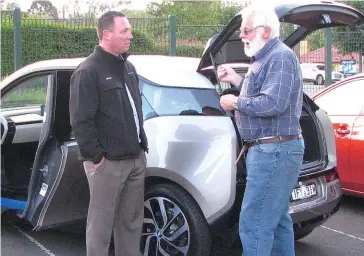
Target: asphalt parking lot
342,234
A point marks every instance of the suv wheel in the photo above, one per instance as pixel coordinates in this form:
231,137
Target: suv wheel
320,80
173,223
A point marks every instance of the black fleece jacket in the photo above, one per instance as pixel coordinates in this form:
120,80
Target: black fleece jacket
100,110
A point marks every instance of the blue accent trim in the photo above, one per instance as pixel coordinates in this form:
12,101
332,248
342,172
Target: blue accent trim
7,203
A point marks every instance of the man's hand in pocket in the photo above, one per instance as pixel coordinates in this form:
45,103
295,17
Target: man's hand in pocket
100,163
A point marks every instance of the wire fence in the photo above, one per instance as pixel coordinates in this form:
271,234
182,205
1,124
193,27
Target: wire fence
61,38
346,59
7,44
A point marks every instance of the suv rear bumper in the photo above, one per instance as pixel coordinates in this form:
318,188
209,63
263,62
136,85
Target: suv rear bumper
304,216
321,208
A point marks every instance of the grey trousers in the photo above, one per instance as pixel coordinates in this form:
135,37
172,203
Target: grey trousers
116,206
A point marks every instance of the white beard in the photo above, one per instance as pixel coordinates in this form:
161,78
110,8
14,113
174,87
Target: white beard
254,46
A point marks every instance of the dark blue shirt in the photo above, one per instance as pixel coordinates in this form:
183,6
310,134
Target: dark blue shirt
270,101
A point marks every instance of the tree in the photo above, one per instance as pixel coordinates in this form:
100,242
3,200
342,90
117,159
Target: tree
71,9
94,8
228,10
8,6
188,12
316,40
44,8
136,13
196,21
197,13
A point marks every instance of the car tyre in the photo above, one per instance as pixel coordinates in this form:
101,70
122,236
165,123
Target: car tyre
173,223
300,234
320,80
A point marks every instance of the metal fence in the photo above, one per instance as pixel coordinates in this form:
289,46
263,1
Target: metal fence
7,44
39,39
25,40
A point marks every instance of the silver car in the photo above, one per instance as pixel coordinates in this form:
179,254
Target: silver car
193,189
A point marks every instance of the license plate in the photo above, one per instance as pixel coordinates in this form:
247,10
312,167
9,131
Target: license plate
304,192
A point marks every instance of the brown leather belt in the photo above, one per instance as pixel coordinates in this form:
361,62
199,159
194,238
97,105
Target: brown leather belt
263,141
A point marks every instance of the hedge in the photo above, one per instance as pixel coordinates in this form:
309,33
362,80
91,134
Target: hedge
181,50
189,50
50,39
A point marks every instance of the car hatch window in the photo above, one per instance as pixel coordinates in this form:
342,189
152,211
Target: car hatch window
287,29
172,101
346,99
321,67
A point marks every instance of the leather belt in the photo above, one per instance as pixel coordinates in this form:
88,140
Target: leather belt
264,141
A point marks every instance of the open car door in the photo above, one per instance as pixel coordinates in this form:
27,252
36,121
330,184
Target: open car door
58,189
298,19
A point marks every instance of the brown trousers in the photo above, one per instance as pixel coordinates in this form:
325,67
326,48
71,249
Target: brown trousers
116,206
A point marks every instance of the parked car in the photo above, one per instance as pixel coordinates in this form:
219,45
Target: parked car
315,72
344,103
193,189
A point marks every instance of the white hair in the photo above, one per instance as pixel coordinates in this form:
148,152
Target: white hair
262,16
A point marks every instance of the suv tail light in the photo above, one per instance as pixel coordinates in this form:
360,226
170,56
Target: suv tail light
331,177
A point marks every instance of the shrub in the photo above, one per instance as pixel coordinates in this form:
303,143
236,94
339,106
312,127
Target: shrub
161,50
189,50
141,44
181,50
49,39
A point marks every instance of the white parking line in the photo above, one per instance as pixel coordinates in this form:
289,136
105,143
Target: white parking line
342,233
34,241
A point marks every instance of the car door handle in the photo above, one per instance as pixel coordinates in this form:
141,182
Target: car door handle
342,130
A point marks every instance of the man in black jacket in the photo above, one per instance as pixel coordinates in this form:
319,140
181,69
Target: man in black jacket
106,116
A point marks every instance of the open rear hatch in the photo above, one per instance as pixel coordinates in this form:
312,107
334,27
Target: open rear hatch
297,21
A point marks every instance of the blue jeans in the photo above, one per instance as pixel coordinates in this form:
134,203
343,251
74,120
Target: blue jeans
265,226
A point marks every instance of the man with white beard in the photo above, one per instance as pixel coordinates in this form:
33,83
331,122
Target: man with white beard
267,113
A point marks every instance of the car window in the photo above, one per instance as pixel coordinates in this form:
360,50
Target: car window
321,67
346,99
29,93
171,101
287,29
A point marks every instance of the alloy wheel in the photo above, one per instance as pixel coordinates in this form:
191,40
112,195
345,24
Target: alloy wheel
165,229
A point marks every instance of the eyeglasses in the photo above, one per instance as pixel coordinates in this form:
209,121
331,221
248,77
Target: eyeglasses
247,31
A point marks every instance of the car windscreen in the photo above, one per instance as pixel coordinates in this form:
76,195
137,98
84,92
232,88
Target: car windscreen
173,101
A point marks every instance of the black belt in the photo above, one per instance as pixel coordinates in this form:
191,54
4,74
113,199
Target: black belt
263,141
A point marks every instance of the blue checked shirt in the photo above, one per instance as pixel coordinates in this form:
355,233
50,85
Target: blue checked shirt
270,101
